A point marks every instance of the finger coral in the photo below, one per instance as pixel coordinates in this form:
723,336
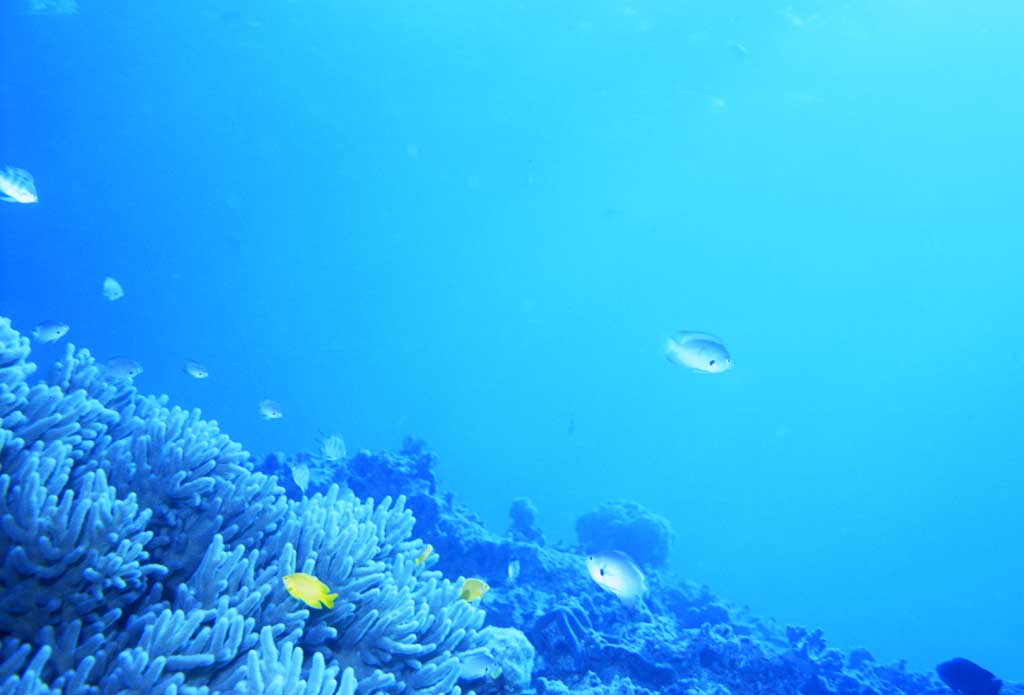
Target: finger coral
143,553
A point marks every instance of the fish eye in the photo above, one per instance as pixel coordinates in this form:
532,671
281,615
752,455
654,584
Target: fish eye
601,571
711,363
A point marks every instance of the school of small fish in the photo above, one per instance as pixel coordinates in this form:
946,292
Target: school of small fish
18,186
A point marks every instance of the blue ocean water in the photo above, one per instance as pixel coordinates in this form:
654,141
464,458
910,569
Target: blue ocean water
477,223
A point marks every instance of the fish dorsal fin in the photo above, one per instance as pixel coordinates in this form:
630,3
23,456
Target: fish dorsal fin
689,336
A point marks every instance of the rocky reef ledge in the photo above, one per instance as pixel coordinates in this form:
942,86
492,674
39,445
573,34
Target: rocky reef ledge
683,640
143,553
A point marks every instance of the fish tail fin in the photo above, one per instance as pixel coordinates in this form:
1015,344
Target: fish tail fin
329,600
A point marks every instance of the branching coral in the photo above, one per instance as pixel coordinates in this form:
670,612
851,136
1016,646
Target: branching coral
143,554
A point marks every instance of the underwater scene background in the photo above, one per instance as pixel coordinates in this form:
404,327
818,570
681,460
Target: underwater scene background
476,224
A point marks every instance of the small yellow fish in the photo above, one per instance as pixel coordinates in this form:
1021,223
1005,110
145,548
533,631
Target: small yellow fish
309,590
473,589
425,554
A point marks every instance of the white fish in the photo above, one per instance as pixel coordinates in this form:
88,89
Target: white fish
271,410
300,474
112,289
50,331
615,572
513,570
478,664
700,351
17,186
196,370
333,448
123,368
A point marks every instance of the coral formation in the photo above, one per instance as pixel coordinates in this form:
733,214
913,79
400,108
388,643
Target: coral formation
523,517
628,527
144,554
683,641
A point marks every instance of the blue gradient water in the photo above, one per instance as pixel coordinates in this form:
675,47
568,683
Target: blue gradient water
477,222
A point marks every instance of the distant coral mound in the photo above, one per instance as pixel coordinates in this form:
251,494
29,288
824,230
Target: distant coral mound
523,522
629,527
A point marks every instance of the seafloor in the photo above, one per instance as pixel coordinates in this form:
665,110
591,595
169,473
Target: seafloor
143,553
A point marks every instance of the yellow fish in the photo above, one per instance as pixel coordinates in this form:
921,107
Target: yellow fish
425,554
473,589
309,590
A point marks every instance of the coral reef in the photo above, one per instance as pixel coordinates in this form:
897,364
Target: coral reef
142,553
683,641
